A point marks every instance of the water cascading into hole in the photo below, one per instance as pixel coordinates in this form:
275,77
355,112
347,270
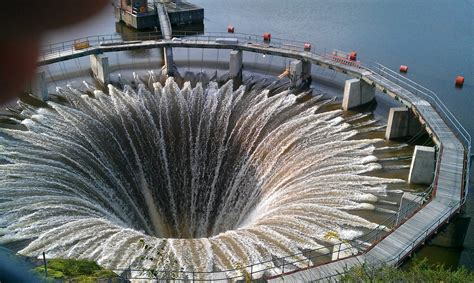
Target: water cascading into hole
196,178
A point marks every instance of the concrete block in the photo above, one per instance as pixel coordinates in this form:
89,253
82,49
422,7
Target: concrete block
422,165
296,73
39,86
169,61
401,123
343,250
235,64
299,71
409,203
397,124
100,68
357,93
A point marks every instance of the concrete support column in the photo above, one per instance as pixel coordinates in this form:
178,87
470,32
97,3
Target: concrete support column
401,123
169,62
100,68
357,93
39,87
235,64
422,165
409,203
296,72
300,71
306,70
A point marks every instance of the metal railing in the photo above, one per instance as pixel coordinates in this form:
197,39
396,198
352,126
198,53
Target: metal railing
68,47
438,105
291,263
398,258
294,262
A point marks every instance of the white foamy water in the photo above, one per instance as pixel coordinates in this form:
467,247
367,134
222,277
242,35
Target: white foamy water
191,178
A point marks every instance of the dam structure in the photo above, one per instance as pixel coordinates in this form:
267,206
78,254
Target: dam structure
445,166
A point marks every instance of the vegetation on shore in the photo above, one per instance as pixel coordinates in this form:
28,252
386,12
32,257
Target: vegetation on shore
73,270
420,271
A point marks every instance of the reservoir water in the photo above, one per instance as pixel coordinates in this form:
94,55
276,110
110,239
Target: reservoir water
434,38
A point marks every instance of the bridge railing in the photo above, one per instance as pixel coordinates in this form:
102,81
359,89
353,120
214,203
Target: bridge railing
294,262
71,46
290,263
397,259
438,105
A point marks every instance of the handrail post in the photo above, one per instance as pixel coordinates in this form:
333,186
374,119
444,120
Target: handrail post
45,265
251,272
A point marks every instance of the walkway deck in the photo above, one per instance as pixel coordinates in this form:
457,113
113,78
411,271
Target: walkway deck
452,154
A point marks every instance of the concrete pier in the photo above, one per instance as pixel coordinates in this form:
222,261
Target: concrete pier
235,64
357,93
39,87
342,250
100,68
169,62
300,71
422,165
401,123
409,203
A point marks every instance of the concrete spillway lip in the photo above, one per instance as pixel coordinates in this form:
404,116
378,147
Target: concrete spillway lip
451,177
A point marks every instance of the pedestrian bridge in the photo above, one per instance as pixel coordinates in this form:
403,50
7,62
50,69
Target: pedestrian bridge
453,142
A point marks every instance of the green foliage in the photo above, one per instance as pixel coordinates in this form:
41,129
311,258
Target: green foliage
421,271
332,235
245,274
75,270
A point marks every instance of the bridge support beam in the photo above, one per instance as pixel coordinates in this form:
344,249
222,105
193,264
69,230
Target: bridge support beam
401,123
357,93
235,64
300,71
39,87
422,165
100,68
169,62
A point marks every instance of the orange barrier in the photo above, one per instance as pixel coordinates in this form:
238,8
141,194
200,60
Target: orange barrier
79,45
459,81
267,36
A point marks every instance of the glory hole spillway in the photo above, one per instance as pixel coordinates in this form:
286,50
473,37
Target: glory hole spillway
158,174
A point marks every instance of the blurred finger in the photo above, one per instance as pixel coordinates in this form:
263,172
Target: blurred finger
32,16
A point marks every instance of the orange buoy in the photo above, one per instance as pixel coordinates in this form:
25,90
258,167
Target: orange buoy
459,81
353,56
267,36
307,47
403,69
230,29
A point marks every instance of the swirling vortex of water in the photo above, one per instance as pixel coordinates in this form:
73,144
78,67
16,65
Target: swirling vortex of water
201,178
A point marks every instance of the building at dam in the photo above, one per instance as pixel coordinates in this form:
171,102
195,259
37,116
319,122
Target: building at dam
144,14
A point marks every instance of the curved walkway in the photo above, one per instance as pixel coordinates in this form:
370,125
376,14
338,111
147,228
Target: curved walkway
452,140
